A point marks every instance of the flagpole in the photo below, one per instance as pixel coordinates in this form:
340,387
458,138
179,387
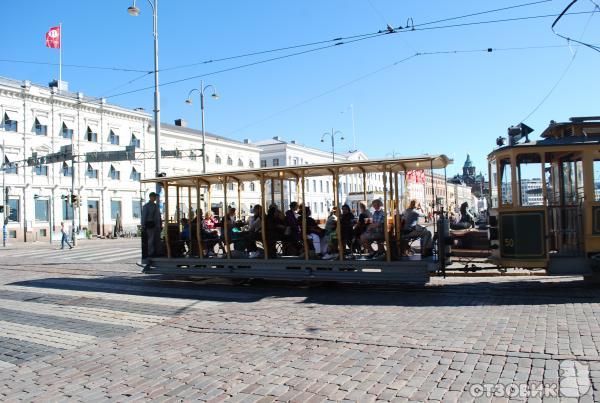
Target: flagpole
60,55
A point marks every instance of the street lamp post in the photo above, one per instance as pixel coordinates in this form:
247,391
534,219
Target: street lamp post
135,11
214,95
332,135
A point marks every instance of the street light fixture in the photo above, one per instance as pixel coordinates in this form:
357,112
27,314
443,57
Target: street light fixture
188,101
332,135
134,11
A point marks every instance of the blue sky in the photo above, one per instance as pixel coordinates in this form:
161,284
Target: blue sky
444,103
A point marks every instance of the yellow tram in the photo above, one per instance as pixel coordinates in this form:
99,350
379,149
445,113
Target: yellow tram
545,199
192,189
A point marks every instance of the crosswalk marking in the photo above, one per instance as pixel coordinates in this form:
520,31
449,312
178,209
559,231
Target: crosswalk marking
6,365
98,315
91,254
47,337
155,300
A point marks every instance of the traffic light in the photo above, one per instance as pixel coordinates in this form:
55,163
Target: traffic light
74,200
1,209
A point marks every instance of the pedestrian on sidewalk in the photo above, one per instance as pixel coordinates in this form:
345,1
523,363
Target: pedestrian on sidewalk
65,237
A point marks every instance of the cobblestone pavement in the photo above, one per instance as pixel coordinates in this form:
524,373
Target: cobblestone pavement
104,331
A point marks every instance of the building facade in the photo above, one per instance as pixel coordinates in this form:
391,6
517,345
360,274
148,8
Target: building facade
37,121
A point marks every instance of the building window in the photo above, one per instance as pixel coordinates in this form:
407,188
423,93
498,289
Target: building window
113,173
9,167
314,186
275,162
136,209
91,172
230,186
327,186
67,170
321,186
67,210
229,161
41,127
41,170
207,158
113,138
251,164
41,210
135,141
115,209
294,161
135,175
240,162
252,187
10,121
13,205
218,160
263,163
91,135
66,132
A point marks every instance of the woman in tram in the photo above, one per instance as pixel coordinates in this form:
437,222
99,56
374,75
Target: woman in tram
314,233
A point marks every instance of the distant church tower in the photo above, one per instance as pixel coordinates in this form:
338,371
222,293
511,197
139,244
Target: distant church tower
468,168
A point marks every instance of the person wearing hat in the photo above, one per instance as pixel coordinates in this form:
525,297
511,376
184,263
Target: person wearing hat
152,225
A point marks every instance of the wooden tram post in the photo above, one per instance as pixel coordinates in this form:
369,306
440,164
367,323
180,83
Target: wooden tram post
199,219
177,204
304,237
281,194
190,209
338,227
272,192
263,217
386,233
166,187
364,180
397,218
226,219
239,200
208,198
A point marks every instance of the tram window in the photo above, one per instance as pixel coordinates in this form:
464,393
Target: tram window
597,180
493,184
572,177
506,181
529,172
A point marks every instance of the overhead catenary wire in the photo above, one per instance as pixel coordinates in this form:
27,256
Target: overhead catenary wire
79,66
343,38
383,33
386,67
568,39
565,71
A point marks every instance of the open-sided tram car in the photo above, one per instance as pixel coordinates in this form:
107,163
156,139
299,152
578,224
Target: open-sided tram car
192,189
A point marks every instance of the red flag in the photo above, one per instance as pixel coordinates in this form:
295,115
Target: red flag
53,38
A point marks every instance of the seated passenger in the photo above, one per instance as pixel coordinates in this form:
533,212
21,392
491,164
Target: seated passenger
185,231
374,231
412,229
466,218
361,225
254,232
330,244
293,224
347,221
209,221
314,232
275,221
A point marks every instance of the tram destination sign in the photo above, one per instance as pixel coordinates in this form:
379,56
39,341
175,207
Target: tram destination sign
107,156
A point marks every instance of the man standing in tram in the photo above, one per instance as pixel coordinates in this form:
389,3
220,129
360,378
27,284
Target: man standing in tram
152,225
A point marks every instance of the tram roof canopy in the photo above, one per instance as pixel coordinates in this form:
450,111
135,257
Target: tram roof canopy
294,172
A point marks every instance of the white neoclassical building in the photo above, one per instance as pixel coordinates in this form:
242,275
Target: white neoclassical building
38,120
318,191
